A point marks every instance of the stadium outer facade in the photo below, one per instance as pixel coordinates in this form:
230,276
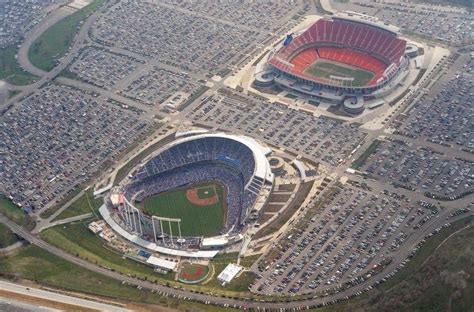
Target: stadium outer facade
349,38
163,170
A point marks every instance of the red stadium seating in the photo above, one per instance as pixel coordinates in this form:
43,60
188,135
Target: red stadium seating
348,42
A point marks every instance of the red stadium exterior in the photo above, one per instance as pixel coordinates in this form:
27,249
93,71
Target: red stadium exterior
363,45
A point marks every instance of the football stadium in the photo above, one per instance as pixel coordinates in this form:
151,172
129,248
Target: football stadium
193,196
343,59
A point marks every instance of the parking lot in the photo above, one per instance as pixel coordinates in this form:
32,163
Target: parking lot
18,17
356,234
446,117
261,15
102,68
156,85
56,139
318,138
189,42
420,169
446,23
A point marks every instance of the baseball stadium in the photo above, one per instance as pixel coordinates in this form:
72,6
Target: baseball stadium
193,196
346,56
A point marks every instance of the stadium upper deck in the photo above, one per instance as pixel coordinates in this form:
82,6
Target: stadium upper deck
361,43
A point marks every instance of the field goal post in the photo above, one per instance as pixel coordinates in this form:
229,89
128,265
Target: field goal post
170,221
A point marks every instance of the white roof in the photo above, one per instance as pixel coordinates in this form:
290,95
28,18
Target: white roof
150,245
299,165
103,190
190,132
162,263
230,271
214,241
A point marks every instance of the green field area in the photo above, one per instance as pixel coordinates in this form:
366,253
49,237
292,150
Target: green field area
7,237
76,239
67,197
11,71
56,40
196,220
325,69
47,269
15,213
81,206
193,273
239,284
359,162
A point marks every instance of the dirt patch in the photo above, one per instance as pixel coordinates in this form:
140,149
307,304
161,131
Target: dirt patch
273,207
279,198
193,197
286,187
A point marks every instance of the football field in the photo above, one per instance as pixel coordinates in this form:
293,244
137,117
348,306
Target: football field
323,68
200,207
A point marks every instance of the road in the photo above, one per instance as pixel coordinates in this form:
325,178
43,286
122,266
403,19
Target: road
407,249
10,305
47,76
53,296
65,61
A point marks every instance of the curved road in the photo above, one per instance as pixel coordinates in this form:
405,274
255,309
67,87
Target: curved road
407,249
409,245
68,58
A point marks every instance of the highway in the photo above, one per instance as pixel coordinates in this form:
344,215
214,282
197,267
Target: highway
52,296
407,249
47,77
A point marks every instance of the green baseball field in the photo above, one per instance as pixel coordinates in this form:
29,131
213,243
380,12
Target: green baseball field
325,69
200,207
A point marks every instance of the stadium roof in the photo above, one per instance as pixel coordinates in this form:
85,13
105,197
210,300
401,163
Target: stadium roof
150,245
262,167
214,241
162,263
228,274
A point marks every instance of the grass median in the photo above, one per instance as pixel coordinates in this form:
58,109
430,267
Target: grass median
15,213
57,39
76,239
36,264
81,206
10,69
7,237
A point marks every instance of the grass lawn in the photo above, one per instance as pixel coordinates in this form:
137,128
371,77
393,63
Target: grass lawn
325,69
81,206
241,283
11,71
15,213
195,220
12,93
7,237
56,40
37,264
67,197
360,162
76,239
